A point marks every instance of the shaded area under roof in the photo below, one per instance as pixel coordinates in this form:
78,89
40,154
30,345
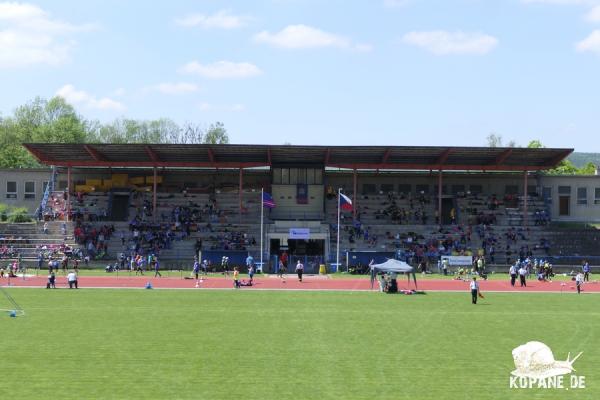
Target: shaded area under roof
248,155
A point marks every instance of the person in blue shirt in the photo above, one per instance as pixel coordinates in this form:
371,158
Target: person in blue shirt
586,271
156,267
196,268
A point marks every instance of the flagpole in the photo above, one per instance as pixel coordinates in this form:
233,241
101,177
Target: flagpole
338,230
262,210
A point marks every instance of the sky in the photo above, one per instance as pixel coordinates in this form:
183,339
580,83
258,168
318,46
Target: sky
320,72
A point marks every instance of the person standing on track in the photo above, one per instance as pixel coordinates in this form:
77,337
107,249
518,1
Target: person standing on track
156,267
522,275
474,285
196,270
513,274
299,270
579,281
281,271
586,271
236,278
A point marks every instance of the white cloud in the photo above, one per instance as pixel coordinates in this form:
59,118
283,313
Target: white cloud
175,88
30,36
590,43
446,43
594,14
84,99
304,37
222,70
220,20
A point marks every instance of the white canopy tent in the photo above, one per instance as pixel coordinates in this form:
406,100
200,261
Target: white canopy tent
393,266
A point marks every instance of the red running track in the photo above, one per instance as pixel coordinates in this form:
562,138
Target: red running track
309,283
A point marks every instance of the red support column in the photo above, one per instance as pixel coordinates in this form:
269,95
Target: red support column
525,198
154,195
355,194
68,199
440,197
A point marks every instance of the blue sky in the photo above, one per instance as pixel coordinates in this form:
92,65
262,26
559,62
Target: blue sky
400,72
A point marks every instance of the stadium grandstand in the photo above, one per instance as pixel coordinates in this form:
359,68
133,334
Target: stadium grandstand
104,200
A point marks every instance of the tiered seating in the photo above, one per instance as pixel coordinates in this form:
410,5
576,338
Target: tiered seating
29,239
469,236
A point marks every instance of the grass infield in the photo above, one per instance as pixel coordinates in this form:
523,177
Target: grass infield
194,344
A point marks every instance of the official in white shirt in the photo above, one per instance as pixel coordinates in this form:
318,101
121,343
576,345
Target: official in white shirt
513,274
474,285
522,275
72,279
579,281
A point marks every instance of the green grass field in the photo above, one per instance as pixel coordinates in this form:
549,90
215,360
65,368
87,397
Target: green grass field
173,344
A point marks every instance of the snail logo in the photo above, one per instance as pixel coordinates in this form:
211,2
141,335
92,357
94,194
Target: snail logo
536,367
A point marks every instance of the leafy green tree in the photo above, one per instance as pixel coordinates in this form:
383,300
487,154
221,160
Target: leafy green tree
48,121
56,121
535,144
216,134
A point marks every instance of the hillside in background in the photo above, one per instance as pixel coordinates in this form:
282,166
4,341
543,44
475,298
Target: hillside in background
580,159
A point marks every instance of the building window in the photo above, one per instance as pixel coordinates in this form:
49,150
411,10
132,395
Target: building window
421,188
532,190
597,196
547,193
11,190
476,189
276,176
285,176
564,190
318,176
511,189
404,188
582,196
387,187
29,190
310,176
369,188
456,189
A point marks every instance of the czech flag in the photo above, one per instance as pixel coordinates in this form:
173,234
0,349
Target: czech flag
268,200
345,202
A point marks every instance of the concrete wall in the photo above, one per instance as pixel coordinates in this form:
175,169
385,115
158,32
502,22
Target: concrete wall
20,176
285,198
589,212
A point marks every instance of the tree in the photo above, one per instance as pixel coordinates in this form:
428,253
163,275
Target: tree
565,167
53,121
535,144
494,140
216,134
56,121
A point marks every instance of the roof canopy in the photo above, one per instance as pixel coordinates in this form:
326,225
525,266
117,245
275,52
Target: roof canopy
247,155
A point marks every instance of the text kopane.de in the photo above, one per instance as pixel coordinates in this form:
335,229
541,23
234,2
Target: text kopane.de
553,382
